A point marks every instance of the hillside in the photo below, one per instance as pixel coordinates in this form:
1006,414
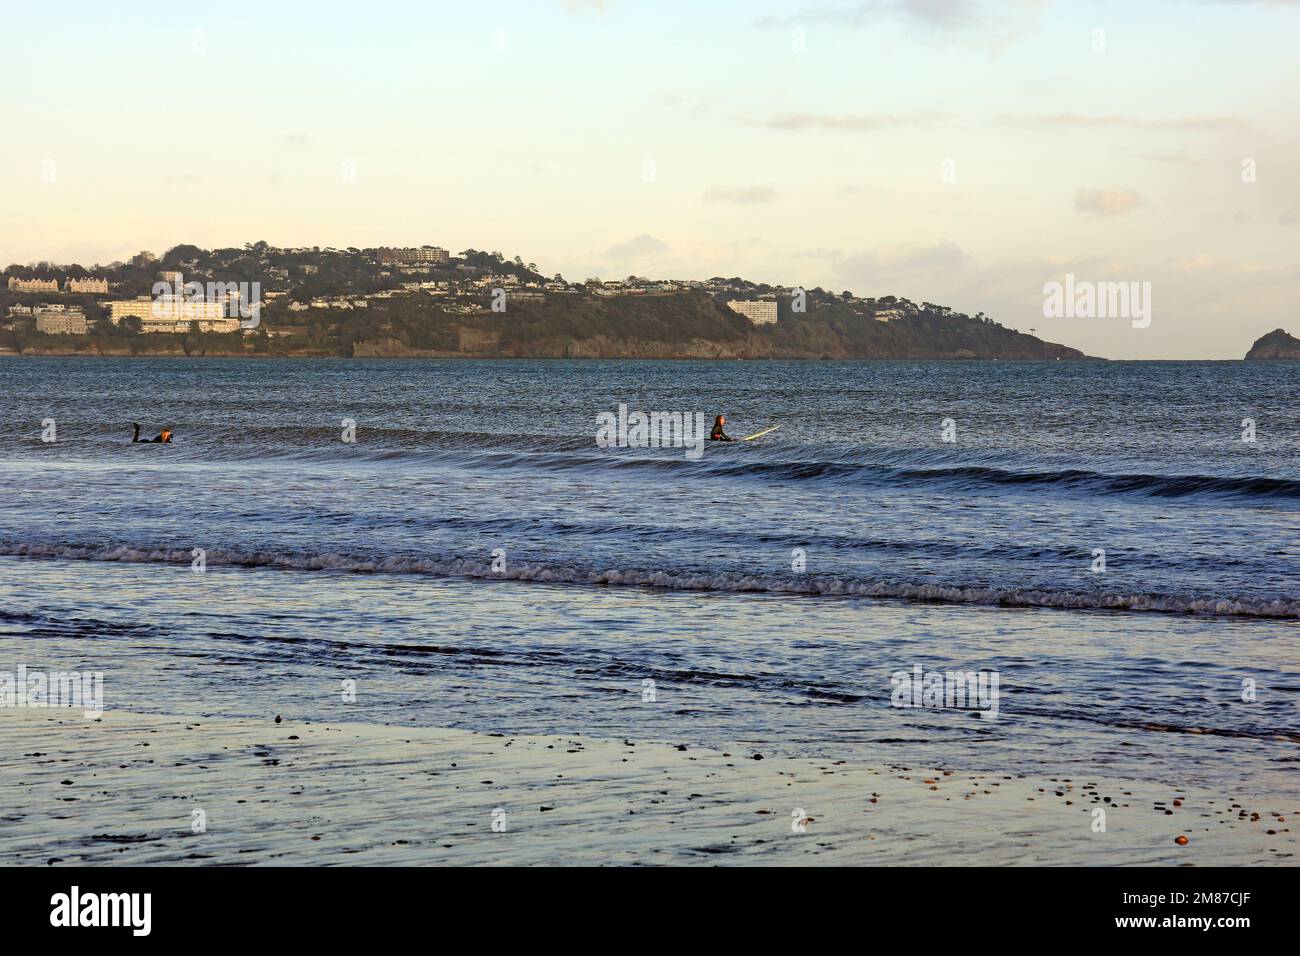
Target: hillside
683,325
693,325
332,302
1275,345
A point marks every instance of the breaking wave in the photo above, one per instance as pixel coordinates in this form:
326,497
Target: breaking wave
733,581
974,470
898,474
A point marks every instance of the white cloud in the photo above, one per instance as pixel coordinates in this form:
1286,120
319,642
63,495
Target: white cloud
1182,124
910,264
1107,202
740,194
638,248
996,23
801,121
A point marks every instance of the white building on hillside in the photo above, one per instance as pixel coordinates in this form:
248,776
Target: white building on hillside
174,314
61,320
758,311
33,285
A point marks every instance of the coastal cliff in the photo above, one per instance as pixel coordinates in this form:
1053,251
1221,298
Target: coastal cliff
427,303
1276,345
687,325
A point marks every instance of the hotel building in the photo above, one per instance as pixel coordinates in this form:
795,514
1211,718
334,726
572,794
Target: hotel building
89,286
61,320
431,254
33,285
758,311
173,314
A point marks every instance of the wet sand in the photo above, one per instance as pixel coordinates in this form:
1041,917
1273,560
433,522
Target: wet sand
123,790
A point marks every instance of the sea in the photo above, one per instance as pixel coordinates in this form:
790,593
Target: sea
446,543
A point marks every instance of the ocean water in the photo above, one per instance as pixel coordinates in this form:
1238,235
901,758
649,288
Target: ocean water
768,589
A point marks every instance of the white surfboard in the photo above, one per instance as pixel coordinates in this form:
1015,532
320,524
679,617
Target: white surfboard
760,434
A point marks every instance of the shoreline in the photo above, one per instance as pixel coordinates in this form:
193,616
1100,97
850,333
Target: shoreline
574,358
124,789
652,582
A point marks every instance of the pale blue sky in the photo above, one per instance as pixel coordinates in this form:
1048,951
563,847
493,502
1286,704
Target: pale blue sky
530,128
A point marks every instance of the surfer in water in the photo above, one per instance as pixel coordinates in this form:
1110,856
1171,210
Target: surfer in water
718,434
162,439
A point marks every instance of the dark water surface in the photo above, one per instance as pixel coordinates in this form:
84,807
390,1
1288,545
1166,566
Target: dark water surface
373,559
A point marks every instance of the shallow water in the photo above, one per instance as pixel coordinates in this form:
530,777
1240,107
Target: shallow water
373,559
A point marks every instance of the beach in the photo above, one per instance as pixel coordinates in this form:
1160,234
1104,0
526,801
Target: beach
123,790
1059,612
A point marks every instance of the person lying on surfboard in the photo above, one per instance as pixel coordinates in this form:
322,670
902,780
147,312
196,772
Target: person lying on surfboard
162,439
718,434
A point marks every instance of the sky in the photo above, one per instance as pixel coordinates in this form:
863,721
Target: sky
963,153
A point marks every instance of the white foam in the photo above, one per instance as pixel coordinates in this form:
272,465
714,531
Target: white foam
721,581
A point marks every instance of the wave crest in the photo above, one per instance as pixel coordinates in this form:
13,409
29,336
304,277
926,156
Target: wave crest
735,582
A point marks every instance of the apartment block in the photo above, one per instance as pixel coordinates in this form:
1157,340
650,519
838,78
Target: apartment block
758,311
60,320
173,314
33,285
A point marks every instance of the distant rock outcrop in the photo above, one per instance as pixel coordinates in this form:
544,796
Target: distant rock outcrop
1276,345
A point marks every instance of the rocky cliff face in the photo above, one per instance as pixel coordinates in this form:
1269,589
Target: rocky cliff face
758,347
685,325
1276,345
694,327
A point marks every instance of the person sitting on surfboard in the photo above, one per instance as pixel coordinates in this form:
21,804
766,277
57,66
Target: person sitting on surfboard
718,434
163,439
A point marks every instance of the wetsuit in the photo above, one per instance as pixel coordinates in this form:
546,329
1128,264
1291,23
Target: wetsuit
163,439
718,434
